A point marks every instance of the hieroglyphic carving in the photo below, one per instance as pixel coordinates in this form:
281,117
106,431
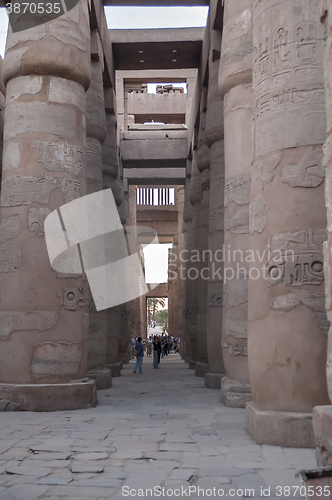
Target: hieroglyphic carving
238,190
237,199
267,168
296,258
71,298
236,347
61,156
288,75
68,33
237,27
36,218
24,190
314,301
309,172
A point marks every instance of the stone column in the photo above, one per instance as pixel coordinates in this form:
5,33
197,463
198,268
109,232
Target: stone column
198,340
111,180
186,347
43,317
95,136
322,420
214,136
287,321
203,165
235,79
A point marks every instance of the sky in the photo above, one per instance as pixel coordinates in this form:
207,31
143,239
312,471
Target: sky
136,17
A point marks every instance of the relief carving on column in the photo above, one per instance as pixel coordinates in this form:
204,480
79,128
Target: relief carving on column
71,298
61,156
296,258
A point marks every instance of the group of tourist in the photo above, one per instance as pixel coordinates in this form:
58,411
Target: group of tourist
159,346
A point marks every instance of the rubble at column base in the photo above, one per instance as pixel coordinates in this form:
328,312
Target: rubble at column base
192,365
235,393
74,395
102,376
278,428
322,424
213,380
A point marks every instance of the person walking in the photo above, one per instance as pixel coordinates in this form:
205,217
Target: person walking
139,350
155,353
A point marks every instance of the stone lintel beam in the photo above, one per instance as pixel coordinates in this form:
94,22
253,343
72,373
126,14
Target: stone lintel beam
155,176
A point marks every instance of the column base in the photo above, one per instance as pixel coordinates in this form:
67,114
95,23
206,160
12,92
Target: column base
213,380
186,357
102,377
74,395
115,369
235,393
322,423
278,428
125,358
192,365
201,369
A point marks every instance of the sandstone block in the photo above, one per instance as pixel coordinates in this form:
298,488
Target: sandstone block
115,369
59,360
213,380
103,378
201,369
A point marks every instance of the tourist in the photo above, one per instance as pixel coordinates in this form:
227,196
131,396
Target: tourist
155,353
149,346
139,350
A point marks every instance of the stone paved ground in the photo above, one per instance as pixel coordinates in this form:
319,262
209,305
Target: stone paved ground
161,428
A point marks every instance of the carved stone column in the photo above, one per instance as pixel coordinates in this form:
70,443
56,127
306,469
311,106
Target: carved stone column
95,136
198,339
203,165
287,322
322,420
214,136
43,315
186,347
235,86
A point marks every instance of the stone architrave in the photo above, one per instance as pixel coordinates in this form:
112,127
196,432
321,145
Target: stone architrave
44,167
235,78
287,325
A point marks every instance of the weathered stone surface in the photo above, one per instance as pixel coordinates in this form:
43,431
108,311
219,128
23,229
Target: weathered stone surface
36,218
314,301
86,468
91,456
258,215
9,228
23,85
238,190
65,91
213,380
103,378
61,157
276,428
235,393
52,397
115,369
12,157
322,424
308,173
296,258
236,323
192,365
12,65
10,258
73,36
267,168
25,190
72,298
201,369
40,117
59,359
27,35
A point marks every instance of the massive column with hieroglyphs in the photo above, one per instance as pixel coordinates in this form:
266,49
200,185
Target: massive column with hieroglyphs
235,79
214,136
203,165
322,420
95,136
43,315
287,320
186,347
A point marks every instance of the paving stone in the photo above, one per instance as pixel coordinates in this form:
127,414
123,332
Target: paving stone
28,470
90,456
24,492
58,478
86,467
